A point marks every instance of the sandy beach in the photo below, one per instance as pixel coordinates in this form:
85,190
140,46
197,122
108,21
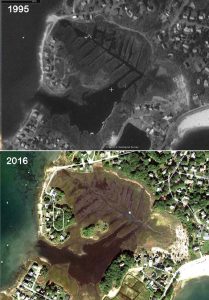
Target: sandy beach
194,269
199,118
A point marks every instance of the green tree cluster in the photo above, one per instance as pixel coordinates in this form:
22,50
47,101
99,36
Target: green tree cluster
116,271
205,247
92,229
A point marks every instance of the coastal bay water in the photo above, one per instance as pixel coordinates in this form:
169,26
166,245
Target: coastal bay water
21,80
89,116
21,38
195,140
194,289
20,187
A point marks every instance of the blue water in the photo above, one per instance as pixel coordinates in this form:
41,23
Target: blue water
20,186
195,289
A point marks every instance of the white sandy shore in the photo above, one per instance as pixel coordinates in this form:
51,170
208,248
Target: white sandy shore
194,269
198,119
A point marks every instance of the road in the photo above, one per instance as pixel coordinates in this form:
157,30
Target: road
178,13
53,171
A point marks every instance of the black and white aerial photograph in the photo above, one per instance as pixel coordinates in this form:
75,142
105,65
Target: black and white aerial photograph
105,74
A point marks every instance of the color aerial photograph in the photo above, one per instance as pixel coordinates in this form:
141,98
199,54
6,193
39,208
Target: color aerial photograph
105,75
109,225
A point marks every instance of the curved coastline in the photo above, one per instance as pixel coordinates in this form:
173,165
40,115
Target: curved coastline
51,172
197,288
199,117
191,121
19,274
194,269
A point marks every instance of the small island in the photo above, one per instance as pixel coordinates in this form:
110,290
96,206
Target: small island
93,231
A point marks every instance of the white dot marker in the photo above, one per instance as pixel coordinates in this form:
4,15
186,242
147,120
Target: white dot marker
23,37
1,261
7,202
129,212
7,245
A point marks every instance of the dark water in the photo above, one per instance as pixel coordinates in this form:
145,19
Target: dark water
20,68
88,116
195,140
20,186
195,289
21,74
133,138
90,267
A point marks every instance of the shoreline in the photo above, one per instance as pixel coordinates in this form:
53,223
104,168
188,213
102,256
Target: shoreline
46,181
48,177
189,122
20,274
115,138
193,113
7,290
194,269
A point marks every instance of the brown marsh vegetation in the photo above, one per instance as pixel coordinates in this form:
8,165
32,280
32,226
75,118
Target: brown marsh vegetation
124,204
